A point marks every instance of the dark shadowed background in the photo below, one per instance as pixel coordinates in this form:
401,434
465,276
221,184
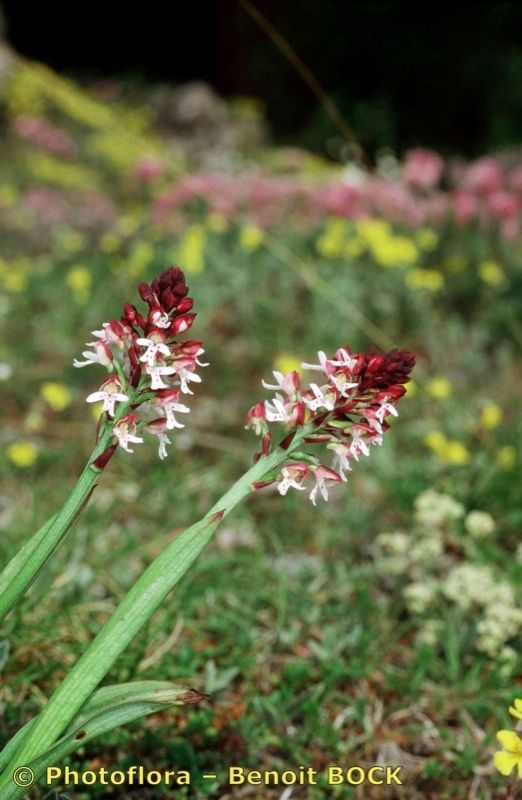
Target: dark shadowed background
442,76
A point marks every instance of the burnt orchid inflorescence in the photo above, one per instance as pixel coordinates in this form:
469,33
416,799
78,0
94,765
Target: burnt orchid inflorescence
149,369
345,410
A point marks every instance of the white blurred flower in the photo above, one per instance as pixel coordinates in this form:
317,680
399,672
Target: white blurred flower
434,509
479,524
419,596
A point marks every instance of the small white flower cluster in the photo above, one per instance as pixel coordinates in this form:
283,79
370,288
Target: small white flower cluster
430,558
420,596
434,509
478,588
479,524
469,585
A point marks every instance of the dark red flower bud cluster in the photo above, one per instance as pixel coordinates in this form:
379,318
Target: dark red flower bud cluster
381,371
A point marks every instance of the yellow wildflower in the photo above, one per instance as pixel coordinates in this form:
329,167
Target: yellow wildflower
191,249
331,242
109,243
56,395
250,237
436,441
68,240
439,387
79,281
373,230
491,416
15,282
454,452
491,273
22,453
430,279
286,363
394,251
511,754
516,709
506,457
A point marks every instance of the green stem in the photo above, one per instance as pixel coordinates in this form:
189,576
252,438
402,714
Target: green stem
14,565
24,567
136,608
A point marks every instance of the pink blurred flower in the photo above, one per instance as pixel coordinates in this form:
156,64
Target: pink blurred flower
422,168
465,206
515,179
149,168
45,136
484,176
503,205
343,200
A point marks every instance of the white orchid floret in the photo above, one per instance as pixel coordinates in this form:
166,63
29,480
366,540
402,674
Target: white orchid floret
161,319
344,359
198,362
100,355
167,404
323,476
385,409
358,444
156,371
289,384
292,477
102,333
343,383
279,376
112,333
187,376
277,411
155,346
125,431
109,394
322,366
328,365
323,397
374,423
341,459
158,428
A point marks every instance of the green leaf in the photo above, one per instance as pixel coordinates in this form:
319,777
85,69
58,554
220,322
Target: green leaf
107,709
